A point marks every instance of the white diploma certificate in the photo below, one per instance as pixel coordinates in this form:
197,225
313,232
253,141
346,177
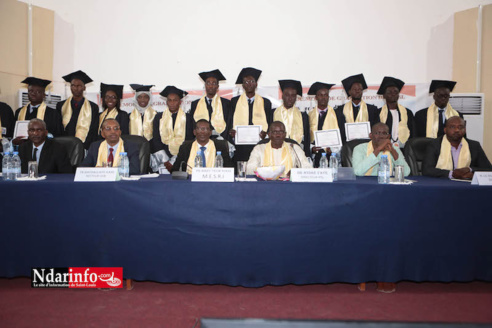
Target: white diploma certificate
328,138
21,128
359,130
247,134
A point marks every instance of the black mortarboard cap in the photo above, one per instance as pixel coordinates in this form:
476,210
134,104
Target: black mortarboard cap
389,81
35,81
435,84
118,89
215,73
318,86
248,71
291,84
140,87
359,78
77,75
171,89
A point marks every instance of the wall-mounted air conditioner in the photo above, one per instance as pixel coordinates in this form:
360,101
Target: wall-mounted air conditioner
51,99
472,106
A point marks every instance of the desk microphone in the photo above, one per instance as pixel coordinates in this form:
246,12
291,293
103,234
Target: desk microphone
297,157
180,175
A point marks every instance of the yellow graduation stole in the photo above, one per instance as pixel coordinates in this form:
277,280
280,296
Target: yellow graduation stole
210,158
40,113
217,120
83,121
241,114
329,123
268,159
144,129
104,115
173,137
433,119
445,160
370,149
362,115
403,131
292,119
102,155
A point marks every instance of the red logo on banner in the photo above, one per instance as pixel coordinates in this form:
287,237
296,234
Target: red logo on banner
96,277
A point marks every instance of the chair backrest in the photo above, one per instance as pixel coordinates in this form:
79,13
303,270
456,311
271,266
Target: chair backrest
348,149
414,152
74,148
144,154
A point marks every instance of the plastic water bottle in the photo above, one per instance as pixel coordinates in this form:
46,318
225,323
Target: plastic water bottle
16,166
323,162
384,170
5,144
219,161
334,165
198,159
124,168
6,165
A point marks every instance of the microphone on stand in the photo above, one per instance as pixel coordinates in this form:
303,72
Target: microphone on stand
180,175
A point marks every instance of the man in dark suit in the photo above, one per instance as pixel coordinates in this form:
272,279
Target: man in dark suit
453,155
51,156
211,106
203,144
107,152
80,117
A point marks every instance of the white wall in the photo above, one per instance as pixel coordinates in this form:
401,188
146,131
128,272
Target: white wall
169,42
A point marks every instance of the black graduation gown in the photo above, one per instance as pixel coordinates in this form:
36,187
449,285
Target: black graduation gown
243,151
410,123
8,119
156,142
123,119
72,125
371,110
226,107
421,124
52,118
306,143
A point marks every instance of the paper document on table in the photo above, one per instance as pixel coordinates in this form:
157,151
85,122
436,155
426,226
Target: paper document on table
328,138
247,134
359,130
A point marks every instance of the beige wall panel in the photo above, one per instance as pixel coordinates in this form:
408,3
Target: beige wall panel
13,37
43,28
487,77
465,50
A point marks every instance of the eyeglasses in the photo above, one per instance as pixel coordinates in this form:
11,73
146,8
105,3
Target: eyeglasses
384,134
249,82
110,97
108,128
203,129
277,132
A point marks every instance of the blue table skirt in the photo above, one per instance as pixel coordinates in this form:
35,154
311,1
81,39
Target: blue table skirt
250,234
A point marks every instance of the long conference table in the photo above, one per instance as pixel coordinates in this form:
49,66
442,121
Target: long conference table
250,233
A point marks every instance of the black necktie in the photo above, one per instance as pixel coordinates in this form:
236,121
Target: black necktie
440,131
33,108
321,120
35,155
250,101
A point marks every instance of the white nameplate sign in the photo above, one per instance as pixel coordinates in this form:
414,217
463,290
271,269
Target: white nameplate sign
482,179
311,175
204,174
96,174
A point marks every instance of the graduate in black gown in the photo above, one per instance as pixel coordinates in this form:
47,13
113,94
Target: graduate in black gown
356,110
211,106
296,123
37,108
249,109
441,111
80,117
322,117
171,128
143,115
111,95
394,114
